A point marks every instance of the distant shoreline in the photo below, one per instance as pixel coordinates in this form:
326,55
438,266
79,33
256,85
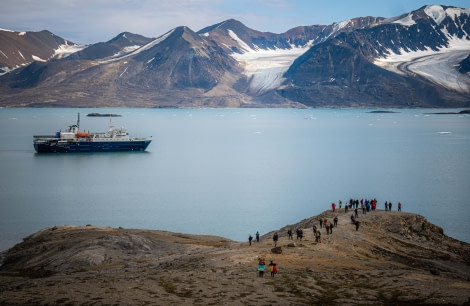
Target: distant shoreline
466,111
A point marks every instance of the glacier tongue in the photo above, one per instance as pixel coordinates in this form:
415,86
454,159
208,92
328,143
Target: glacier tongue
265,68
440,67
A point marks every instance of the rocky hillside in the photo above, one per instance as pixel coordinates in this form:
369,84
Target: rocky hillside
19,49
393,258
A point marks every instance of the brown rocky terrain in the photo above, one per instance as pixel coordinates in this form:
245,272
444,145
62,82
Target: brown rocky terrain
395,258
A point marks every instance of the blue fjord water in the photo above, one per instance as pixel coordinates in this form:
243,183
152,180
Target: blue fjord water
232,172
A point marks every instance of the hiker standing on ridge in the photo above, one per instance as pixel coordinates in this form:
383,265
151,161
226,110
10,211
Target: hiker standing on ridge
275,238
261,264
257,237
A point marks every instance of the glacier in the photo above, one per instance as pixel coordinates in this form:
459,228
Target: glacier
265,67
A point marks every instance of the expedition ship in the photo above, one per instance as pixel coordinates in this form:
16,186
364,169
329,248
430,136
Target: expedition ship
72,140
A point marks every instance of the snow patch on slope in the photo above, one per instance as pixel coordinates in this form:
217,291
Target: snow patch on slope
240,42
406,21
66,49
137,51
265,68
38,59
436,12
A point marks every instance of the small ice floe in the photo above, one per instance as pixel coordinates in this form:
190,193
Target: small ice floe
257,132
12,118
444,133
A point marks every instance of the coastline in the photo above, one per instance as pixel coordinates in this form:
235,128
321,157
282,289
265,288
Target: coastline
394,257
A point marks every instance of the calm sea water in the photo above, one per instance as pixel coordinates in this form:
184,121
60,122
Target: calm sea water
232,172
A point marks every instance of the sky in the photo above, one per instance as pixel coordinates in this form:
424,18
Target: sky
92,21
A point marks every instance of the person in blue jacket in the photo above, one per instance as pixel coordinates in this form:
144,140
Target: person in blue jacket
261,265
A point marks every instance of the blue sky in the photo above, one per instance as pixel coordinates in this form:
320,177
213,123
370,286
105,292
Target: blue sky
91,21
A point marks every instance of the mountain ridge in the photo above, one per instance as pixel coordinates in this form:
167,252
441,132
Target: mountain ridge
404,61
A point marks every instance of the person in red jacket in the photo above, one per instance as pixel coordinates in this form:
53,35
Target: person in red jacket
399,206
333,206
273,268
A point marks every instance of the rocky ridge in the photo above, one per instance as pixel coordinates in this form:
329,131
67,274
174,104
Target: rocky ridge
394,258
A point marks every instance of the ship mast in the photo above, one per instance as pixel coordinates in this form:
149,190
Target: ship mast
78,122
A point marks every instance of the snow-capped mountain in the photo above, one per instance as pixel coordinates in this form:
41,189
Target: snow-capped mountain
120,45
436,60
419,59
265,57
410,60
18,49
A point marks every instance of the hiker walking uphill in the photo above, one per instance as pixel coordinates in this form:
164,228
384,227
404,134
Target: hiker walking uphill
317,237
250,238
357,225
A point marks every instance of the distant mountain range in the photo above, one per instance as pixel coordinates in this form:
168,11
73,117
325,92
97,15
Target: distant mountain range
419,59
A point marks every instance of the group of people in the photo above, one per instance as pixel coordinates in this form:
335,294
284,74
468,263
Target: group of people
388,206
250,238
366,206
327,225
262,264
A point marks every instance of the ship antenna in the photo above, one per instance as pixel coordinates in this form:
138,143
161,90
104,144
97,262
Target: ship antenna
78,122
